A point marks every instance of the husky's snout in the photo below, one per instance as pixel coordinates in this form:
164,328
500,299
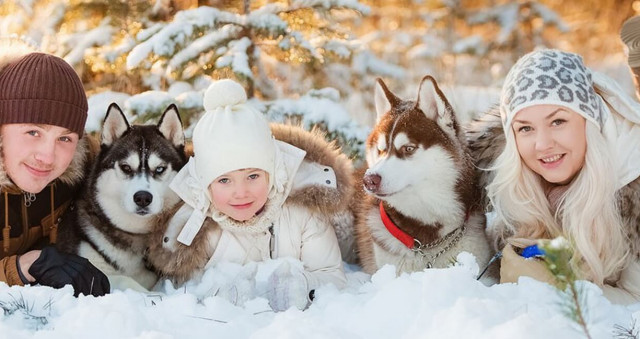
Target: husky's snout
143,198
371,182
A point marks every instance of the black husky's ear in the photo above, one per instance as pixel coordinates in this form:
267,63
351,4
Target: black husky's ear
114,126
384,99
170,126
433,103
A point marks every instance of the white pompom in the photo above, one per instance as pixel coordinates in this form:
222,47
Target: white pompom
222,93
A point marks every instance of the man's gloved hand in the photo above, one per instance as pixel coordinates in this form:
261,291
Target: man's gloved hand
57,269
286,287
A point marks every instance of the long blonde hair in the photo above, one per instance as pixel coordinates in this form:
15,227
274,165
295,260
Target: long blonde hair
587,212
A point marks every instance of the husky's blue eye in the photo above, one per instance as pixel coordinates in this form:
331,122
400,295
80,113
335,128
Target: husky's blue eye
160,169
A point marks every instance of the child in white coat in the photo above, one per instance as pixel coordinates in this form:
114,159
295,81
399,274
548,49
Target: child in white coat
249,198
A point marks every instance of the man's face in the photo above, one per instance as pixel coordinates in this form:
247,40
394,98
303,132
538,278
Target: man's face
35,155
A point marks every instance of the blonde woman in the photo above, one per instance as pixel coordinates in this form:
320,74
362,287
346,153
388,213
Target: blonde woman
569,167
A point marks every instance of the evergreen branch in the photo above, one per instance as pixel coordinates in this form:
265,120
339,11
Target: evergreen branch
578,314
557,258
22,306
626,333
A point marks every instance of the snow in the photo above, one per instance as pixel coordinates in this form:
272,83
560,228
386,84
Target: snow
266,18
365,61
98,105
164,42
149,101
328,4
236,58
100,35
203,44
318,107
435,303
559,243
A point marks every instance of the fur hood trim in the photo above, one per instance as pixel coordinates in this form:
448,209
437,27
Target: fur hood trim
320,199
486,141
629,206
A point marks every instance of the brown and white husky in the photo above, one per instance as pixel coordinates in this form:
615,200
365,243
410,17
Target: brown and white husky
420,203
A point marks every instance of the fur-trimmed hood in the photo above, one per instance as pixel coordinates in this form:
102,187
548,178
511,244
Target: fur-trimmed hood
321,198
12,49
486,141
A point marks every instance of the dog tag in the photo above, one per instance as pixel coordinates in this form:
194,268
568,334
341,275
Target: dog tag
191,228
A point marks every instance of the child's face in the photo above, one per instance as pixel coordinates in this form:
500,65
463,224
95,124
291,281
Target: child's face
552,141
240,194
35,155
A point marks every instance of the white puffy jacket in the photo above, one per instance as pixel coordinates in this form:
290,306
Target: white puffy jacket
300,228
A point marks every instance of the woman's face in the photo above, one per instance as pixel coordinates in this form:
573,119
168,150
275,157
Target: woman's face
240,194
552,141
35,155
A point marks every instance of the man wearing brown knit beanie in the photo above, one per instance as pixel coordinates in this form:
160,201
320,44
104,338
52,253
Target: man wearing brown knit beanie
43,109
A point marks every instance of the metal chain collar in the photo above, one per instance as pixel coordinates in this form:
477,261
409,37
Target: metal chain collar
421,249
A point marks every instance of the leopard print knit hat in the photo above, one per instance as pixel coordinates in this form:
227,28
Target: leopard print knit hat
551,77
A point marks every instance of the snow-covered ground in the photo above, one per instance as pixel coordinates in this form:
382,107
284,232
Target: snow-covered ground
436,303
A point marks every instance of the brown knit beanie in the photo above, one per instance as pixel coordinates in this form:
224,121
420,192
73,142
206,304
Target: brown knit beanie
42,89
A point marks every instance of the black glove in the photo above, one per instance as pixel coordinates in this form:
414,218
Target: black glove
57,269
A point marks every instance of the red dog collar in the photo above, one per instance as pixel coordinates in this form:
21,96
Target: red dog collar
404,238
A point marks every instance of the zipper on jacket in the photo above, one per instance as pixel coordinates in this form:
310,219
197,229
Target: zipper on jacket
25,223
272,241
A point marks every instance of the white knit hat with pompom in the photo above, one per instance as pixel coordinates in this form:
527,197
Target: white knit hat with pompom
231,135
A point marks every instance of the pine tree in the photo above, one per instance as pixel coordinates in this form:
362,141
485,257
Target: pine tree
164,51
522,25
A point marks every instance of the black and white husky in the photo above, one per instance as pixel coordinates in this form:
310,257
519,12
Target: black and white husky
127,186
